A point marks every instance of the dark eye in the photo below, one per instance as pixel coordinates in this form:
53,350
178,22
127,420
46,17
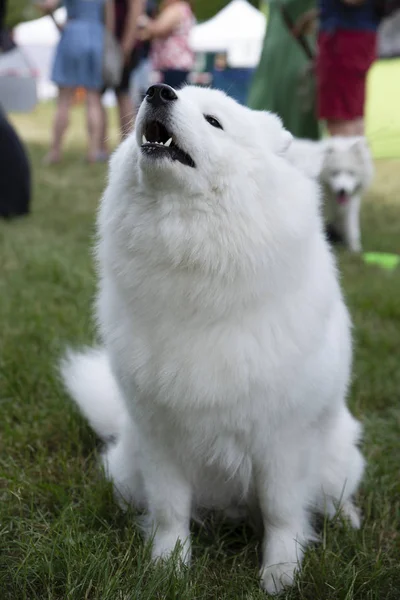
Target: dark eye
213,121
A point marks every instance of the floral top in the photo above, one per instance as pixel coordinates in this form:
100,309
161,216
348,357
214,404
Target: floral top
173,51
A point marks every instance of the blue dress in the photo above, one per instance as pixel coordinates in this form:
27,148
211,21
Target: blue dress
79,56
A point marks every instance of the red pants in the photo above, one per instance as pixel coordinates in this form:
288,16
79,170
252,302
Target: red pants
343,60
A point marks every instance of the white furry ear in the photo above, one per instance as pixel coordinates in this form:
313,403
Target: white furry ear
328,146
359,141
308,156
360,145
287,140
279,138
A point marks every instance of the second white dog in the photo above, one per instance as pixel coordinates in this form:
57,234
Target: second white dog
226,353
344,167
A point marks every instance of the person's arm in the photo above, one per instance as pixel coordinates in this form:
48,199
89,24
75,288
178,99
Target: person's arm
163,25
135,9
109,18
306,23
48,6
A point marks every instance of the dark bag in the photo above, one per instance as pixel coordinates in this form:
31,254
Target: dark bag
15,173
113,61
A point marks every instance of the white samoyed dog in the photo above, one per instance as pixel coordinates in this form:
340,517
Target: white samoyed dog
226,358
345,169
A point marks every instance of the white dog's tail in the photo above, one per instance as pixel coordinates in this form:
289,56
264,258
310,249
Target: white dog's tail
88,378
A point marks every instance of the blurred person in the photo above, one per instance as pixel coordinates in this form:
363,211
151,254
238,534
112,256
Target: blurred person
347,43
127,13
284,80
78,64
171,54
141,75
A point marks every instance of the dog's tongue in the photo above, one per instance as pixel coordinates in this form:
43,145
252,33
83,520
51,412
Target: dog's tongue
342,197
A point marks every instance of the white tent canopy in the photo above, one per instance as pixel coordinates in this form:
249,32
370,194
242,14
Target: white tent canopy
237,29
38,39
40,32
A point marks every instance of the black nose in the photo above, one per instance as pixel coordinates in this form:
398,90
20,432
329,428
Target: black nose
160,94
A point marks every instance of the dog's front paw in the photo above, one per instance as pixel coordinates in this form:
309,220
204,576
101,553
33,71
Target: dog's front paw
167,546
352,514
355,247
275,578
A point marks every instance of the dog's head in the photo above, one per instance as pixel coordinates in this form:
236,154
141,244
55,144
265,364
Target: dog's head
347,168
211,176
198,135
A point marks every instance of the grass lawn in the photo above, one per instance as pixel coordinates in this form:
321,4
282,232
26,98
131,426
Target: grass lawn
61,536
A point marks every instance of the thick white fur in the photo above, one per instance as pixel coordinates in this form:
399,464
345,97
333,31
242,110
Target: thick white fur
340,163
95,395
227,345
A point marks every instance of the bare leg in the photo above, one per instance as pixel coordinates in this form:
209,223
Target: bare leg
104,132
94,124
126,113
61,120
346,128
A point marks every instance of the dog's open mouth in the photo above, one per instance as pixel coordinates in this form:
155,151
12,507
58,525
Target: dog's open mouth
157,142
342,197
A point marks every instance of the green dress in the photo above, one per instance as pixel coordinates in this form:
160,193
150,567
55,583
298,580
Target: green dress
284,82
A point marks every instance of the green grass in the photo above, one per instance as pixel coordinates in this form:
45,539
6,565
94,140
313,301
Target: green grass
61,536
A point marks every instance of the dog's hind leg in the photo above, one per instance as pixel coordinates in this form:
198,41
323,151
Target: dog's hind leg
342,467
121,462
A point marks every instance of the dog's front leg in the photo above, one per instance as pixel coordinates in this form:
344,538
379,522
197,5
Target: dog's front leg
169,498
282,488
352,224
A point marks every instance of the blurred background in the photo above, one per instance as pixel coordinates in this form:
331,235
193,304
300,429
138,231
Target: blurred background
226,39
72,76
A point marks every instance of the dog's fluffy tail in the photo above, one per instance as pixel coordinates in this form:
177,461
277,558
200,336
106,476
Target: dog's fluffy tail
88,378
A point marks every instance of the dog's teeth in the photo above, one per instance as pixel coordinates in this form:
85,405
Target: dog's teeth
144,141
168,143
